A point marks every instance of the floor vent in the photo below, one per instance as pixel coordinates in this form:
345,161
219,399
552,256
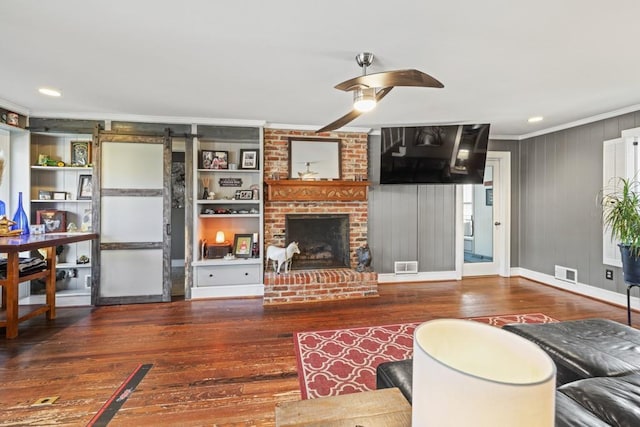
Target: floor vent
405,267
566,274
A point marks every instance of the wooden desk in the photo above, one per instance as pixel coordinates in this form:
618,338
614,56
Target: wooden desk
378,408
12,246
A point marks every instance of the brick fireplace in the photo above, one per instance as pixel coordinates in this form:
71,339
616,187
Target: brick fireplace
345,199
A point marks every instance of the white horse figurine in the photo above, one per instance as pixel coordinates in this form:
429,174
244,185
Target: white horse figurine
282,256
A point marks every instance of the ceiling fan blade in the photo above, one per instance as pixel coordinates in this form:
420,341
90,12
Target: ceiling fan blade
337,124
353,114
391,78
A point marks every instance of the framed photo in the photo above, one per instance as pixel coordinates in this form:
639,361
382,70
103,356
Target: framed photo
244,195
249,159
54,221
84,187
214,159
314,158
80,153
44,195
59,195
242,245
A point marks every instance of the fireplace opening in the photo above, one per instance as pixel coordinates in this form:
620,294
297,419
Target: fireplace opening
323,240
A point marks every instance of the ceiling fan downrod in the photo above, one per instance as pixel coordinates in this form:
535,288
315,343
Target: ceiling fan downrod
364,60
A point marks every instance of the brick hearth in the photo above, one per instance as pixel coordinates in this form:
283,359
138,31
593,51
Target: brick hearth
324,284
318,285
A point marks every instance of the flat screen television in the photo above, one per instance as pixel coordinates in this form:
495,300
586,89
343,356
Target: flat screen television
447,154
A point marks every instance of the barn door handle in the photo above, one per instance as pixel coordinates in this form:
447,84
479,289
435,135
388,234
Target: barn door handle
168,229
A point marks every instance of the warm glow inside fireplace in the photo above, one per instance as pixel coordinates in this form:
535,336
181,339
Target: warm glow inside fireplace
323,240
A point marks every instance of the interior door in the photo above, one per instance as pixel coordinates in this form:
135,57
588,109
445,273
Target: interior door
483,247
134,222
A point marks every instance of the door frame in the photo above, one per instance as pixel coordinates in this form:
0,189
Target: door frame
502,214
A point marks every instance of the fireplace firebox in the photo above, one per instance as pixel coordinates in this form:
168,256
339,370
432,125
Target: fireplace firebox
323,240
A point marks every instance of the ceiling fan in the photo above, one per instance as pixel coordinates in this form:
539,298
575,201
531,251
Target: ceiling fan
369,89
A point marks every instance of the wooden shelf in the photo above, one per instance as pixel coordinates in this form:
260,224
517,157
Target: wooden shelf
286,190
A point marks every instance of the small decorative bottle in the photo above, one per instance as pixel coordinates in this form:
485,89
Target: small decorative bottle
20,218
205,193
3,209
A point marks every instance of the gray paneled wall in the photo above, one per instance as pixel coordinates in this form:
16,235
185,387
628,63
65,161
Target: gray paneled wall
417,222
560,219
409,222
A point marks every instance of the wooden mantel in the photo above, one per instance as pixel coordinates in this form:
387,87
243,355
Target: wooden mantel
287,190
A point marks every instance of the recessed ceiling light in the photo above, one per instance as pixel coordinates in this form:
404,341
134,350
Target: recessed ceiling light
50,92
535,119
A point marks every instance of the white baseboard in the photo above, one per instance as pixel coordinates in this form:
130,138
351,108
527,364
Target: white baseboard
424,276
579,288
227,291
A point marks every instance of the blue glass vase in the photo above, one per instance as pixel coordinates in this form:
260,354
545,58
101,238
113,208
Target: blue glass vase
3,208
20,218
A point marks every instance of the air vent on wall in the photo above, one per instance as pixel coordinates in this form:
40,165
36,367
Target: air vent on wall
566,274
405,267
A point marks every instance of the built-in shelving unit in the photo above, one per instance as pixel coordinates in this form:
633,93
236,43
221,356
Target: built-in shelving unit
57,203
228,200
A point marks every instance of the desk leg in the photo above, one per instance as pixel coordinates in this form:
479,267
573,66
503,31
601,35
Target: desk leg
51,282
12,294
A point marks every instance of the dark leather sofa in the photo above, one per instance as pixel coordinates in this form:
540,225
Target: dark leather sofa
598,371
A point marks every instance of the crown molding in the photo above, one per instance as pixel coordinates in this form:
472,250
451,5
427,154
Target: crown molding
149,119
587,120
14,107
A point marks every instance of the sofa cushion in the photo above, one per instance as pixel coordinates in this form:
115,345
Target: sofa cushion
396,374
570,414
615,400
585,348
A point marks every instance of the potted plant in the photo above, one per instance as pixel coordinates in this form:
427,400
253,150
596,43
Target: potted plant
621,210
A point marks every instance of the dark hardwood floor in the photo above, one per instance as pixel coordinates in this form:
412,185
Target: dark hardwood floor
223,362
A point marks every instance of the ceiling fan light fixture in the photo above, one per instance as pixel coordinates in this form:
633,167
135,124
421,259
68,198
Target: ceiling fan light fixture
364,99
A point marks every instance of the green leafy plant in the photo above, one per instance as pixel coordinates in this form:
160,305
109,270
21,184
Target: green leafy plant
621,210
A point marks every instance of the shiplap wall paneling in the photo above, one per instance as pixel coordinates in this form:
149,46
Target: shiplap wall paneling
393,218
436,227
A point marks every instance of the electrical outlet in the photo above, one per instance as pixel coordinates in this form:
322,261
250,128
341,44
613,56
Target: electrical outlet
608,274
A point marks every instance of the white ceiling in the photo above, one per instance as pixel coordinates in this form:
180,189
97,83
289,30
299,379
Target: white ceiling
501,61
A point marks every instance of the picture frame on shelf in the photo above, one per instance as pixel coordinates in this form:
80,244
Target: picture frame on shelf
80,153
54,221
44,195
220,160
59,195
210,159
249,159
244,195
84,187
242,245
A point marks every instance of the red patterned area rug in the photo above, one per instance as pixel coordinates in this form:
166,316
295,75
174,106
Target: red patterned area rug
344,361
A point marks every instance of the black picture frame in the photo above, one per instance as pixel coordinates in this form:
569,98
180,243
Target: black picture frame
242,245
85,187
488,196
80,153
249,159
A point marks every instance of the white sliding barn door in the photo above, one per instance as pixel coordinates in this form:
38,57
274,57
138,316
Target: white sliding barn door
134,220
